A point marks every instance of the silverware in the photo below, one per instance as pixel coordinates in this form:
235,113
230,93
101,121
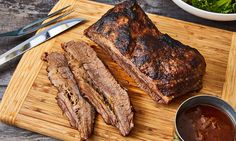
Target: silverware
33,26
38,39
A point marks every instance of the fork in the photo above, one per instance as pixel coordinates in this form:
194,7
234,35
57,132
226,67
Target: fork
33,26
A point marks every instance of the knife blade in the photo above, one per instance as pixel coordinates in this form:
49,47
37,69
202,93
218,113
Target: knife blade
38,39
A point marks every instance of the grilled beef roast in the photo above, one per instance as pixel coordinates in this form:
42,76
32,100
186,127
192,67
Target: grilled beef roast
162,66
99,86
79,112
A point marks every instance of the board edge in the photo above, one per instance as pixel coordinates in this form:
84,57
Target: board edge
229,89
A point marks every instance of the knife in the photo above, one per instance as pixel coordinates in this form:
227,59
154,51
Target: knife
38,39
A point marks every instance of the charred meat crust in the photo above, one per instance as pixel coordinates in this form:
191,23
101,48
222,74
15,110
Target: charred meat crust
163,66
110,100
79,112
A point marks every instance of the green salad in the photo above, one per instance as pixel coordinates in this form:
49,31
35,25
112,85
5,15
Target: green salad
218,6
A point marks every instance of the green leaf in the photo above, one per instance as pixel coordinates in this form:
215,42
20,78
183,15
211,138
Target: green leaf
219,6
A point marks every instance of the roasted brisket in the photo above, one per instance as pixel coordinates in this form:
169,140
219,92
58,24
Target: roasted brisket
99,86
162,66
79,112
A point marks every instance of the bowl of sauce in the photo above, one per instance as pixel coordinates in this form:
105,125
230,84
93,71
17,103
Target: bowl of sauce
205,118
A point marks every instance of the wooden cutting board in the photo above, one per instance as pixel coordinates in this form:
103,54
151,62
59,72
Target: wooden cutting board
29,101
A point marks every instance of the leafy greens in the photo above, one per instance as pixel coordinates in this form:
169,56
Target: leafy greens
218,6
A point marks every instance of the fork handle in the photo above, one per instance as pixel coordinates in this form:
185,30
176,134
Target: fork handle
12,33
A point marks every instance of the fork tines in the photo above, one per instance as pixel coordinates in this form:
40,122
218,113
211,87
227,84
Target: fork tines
35,25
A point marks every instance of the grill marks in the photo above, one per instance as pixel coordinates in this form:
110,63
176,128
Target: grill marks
162,66
99,86
79,112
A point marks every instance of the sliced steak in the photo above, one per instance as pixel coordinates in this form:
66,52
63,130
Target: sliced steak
79,112
99,86
162,66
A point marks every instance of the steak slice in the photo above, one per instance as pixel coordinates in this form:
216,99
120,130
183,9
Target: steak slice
162,66
99,86
79,112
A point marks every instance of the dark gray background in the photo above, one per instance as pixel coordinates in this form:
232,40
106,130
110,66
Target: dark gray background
16,13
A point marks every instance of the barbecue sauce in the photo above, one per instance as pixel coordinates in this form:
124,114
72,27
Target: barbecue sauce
205,123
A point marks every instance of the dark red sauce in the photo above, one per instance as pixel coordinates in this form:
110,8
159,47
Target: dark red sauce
205,123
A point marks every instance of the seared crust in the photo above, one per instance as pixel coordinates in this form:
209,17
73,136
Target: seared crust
110,100
79,112
162,66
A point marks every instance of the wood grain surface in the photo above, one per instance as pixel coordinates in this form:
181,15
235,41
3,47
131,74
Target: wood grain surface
16,13
229,90
30,102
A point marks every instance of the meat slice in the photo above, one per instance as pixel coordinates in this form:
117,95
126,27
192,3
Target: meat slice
79,112
162,66
99,86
